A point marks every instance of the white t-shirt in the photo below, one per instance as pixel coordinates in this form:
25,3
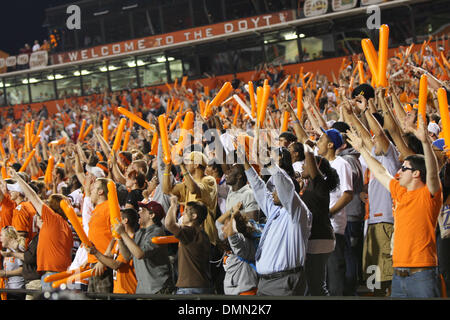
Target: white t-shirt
344,170
86,213
298,166
11,264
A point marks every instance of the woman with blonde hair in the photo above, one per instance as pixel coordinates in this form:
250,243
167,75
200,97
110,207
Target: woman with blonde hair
12,242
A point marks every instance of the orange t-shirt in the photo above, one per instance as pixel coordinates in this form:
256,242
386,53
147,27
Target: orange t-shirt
7,211
23,219
54,250
125,277
100,229
415,218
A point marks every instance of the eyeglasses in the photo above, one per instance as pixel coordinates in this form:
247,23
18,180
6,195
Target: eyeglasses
406,168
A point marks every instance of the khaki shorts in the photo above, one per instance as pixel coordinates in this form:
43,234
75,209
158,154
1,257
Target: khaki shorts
377,250
32,285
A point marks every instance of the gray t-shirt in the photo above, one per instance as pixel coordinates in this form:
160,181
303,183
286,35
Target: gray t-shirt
380,201
153,270
244,194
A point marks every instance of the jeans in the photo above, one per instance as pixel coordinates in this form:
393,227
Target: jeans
292,284
443,252
46,286
354,242
336,268
316,274
195,291
423,284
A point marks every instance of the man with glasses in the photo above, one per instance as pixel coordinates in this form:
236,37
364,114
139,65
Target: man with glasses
417,197
151,261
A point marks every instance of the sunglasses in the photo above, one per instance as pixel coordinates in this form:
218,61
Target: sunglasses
406,168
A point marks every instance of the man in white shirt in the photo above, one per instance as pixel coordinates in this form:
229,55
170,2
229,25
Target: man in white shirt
36,46
327,145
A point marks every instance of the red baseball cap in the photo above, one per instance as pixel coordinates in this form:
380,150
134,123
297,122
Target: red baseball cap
153,207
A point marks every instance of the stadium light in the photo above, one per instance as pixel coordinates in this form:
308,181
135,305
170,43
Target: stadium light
100,13
301,35
83,73
57,77
131,6
290,36
132,64
32,80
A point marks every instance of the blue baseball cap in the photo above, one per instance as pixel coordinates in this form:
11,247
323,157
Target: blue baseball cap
439,143
335,137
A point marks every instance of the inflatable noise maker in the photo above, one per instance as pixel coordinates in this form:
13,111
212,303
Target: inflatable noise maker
445,117
114,208
165,240
72,278
136,119
423,92
72,216
224,92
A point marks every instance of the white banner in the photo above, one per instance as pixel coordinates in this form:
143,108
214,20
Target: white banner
2,63
341,5
11,61
370,2
38,59
314,8
22,59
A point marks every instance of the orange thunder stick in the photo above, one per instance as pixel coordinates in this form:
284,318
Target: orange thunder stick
165,240
236,114
383,56
35,141
118,138
423,92
41,125
371,57
11,143
284,126
445,117
105,129
164,138
263,106
251,93
299,102
222,95
284,84
86,132
175,121
83,125
319,93
27,161
2,151
154,147
361,72
188,124
49,170
136,119
77,276
64,274
72,216
27,137
126,140
114,208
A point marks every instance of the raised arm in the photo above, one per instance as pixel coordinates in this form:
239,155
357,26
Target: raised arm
375,167
29,192
170,221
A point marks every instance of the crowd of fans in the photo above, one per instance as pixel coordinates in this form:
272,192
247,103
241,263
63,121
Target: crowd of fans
328,187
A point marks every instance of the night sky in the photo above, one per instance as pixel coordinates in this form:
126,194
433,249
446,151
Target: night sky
22,22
